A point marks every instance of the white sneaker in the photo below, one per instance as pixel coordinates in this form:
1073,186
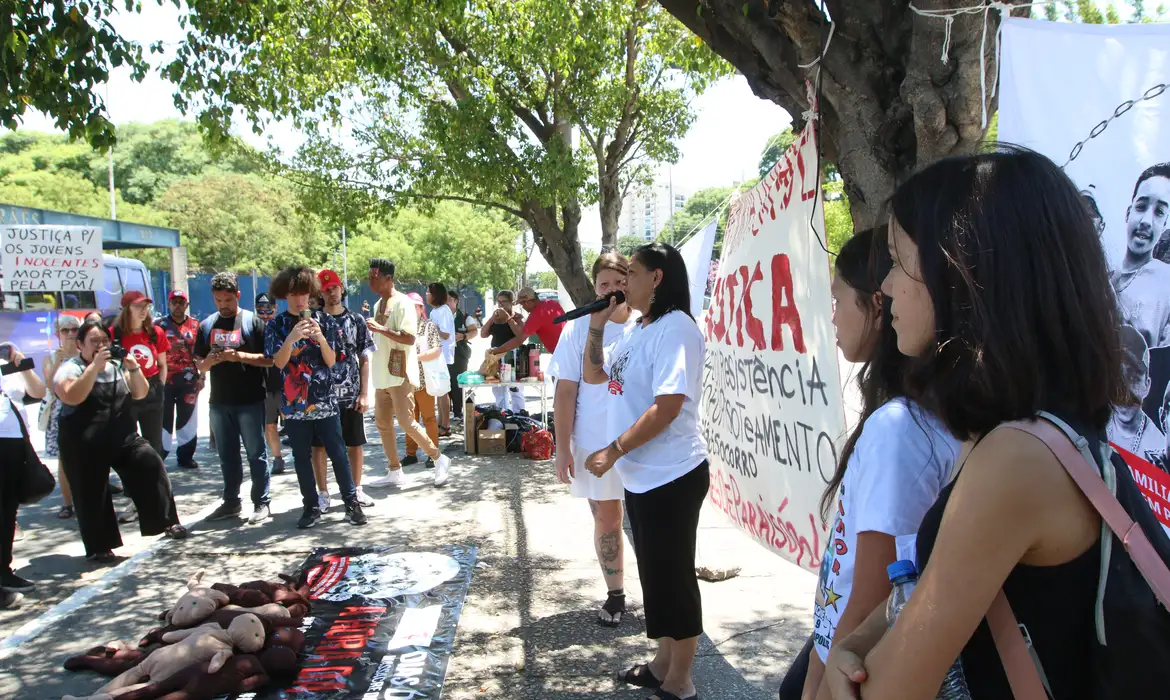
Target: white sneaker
442,465
363,500
259,515
322,501
392,478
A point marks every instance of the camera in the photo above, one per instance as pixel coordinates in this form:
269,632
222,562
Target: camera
117,352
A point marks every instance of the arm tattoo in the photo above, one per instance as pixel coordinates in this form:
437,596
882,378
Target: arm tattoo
596,339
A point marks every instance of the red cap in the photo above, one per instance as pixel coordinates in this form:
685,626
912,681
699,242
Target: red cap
133,297
329,279
178,294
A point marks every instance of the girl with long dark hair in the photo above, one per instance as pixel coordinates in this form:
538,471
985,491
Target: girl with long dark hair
135,331
1000,292
891,468
654,380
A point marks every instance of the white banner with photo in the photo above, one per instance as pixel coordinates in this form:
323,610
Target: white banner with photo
771,404
1094,98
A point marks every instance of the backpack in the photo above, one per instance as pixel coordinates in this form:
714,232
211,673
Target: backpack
1131,655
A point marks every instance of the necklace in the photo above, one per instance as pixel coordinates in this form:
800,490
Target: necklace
1137,439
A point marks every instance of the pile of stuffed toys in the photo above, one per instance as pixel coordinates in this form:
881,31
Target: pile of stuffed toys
219,639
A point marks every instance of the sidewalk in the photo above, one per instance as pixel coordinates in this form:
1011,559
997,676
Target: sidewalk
527,629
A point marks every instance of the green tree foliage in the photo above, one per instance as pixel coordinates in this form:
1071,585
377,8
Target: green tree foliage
776,147
626,245
457,244
473,101
543,280
51,56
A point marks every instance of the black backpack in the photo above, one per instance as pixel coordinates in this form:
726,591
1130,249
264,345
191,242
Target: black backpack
1131,655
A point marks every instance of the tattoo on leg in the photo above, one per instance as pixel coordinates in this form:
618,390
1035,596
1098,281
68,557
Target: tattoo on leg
596,340
609,545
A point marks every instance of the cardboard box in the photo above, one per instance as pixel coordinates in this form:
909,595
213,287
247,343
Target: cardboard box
492,442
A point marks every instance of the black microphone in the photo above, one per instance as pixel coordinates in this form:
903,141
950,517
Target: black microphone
591,307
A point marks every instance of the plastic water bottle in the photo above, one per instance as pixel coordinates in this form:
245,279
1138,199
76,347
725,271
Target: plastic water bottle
903,576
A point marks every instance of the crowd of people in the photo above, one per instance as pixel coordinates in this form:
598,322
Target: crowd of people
970,308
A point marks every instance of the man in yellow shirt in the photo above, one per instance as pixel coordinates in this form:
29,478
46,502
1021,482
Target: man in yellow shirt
394,374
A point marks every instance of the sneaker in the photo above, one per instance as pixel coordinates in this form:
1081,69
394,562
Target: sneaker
11,582
309,518
278,465
392,478
323,501
225,511
363,500
354,514
442,465
259,515
189,465
10,600
409,460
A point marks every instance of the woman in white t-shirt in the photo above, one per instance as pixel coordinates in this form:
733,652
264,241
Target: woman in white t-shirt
890,471
654,379
580,411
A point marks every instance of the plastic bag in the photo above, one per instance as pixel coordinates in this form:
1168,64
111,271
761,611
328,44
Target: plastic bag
438,379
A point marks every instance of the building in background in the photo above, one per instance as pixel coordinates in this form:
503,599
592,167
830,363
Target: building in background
646,210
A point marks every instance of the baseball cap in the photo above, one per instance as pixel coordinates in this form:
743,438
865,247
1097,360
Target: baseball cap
133,297
178,294
329,279
265,298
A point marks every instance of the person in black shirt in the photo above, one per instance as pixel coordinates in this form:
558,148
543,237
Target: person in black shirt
500,332
266,311
465,328
231,347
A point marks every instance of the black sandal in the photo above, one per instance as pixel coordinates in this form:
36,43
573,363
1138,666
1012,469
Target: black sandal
65,513
176,532
615,607
639,676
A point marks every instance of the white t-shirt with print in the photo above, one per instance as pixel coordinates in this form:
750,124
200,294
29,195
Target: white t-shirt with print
661,359
590,427
899,464
13,387
442,317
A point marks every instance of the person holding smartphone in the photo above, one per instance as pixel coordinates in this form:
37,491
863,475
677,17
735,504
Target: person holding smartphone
20,385
98,432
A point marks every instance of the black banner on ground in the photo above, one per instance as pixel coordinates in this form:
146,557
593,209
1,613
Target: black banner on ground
383,623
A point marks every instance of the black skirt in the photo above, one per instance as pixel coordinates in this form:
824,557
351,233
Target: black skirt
665,523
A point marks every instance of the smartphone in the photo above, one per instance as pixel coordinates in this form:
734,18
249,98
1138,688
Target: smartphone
6,352
22,366
306,314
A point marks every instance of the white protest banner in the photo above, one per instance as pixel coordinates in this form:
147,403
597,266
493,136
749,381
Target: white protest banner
51,258
1094,99
771,405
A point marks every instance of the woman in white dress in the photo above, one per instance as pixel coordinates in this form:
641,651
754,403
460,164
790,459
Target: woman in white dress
580,417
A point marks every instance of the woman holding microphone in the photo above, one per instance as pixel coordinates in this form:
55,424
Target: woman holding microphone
654,378
580,411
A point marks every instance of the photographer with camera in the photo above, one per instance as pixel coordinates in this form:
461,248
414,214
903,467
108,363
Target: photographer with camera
97,431
20,385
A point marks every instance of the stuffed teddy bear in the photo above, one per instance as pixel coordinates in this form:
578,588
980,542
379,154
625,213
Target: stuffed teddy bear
209,643
222,617
196,605
243,673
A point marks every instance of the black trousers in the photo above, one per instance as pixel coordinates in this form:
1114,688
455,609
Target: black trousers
665,524
455,370
148,413
143,477
179,421
12,456
792,687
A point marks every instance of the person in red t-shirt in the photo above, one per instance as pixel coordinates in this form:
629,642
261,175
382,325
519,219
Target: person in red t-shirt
183,384
539,323
134,330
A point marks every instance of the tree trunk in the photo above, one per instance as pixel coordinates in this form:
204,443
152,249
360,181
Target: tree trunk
610,203
889,104
558,242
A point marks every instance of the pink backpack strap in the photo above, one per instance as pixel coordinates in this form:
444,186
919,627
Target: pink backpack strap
1022,674
1087,478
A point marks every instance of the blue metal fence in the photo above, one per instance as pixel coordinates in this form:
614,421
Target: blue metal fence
203,305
